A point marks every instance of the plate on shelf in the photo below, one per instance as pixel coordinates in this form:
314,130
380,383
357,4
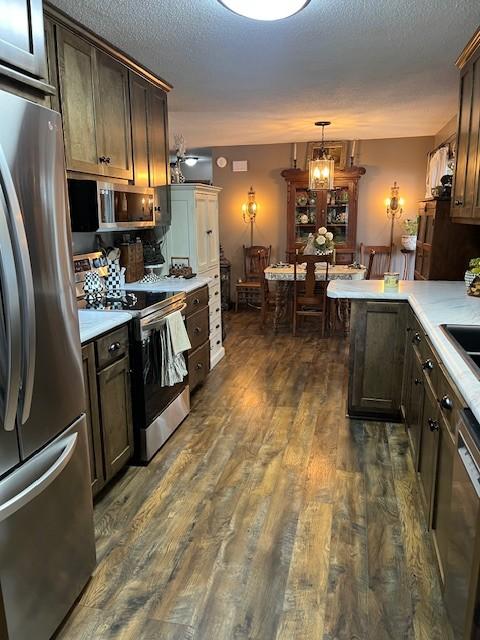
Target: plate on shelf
302,201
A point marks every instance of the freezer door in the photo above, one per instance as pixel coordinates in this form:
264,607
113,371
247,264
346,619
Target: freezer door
47,550
33,176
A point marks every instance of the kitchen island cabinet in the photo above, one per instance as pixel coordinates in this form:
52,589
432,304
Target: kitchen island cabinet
439,420
376,359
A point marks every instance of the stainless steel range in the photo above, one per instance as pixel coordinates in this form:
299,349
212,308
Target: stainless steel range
157,409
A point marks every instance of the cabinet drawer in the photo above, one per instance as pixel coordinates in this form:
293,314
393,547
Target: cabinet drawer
214,290
198,365
449,400
216,340
215,319
198,327
111,347
424,351
196,300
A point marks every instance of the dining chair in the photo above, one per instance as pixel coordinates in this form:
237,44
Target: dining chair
255,260
310,295
377,259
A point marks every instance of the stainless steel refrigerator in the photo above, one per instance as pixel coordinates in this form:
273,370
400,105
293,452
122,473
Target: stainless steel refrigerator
47,548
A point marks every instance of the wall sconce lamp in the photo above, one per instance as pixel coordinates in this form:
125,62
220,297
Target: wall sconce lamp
249,211
394,206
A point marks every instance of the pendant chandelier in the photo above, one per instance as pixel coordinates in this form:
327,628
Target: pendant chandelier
321,169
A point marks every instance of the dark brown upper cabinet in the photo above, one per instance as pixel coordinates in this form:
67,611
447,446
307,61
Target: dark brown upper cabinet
466,187
149,133
22,41
158,136
96,108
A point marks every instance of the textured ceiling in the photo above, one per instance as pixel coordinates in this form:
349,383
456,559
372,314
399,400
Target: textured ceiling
376,68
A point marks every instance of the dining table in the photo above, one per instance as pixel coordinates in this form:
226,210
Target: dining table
282,274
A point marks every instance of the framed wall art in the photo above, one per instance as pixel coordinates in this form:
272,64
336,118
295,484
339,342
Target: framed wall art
336,149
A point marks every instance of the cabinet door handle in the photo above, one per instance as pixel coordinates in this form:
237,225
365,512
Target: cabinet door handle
427,365
196,301
216,275
115,346
209,231
417,381
458,203
446,403
417,338
108,159
199,365
217,310
433,424
196,331
217,326
216,293
102,159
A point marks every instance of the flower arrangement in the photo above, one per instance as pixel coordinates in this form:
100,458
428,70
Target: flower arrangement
323,241
472,272
411,226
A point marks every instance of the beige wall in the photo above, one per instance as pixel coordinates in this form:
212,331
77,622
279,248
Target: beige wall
400,159
446,132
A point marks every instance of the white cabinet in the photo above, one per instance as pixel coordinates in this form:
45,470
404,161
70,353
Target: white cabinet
194,233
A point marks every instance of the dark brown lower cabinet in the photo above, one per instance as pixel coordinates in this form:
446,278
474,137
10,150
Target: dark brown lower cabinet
377,349
414,406
116,415
427,466
198,329
106,368
97,474
442,514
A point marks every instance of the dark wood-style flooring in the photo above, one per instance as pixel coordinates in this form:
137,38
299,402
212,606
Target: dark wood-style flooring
267,516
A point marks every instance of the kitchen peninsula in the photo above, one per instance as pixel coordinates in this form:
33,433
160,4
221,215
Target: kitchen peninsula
410,360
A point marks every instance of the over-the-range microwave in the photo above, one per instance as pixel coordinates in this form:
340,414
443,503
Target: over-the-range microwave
106,206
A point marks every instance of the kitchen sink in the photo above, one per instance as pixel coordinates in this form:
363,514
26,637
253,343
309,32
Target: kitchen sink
466,338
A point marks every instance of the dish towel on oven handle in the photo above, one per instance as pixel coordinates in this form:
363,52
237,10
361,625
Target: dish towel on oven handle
178,333
175,341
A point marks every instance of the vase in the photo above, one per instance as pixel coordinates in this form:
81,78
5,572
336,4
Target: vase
409,242
469,278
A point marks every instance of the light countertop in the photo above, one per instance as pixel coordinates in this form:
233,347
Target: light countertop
94,323
170,284
434,303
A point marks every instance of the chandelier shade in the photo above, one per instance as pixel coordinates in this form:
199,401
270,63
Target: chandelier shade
321,174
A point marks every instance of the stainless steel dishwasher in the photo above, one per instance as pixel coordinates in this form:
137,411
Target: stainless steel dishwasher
461,580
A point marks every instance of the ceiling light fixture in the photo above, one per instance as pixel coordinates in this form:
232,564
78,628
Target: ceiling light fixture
321,170
190,161
265,9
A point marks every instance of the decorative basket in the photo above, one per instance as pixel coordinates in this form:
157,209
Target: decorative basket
180,270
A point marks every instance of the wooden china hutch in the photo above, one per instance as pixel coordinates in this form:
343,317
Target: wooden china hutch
335,209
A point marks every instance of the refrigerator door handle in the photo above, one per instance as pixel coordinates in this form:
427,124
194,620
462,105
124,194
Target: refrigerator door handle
38,485
27,300
11,318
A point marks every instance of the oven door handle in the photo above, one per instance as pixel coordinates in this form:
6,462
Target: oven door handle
158,321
